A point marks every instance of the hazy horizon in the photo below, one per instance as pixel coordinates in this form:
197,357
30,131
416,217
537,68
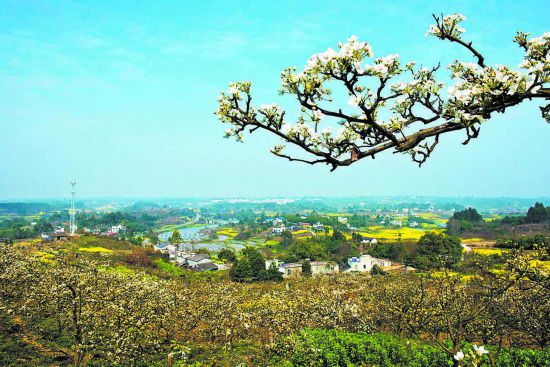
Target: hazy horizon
243,197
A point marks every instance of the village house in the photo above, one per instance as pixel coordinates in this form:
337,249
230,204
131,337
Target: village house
55,236
194,261
278,230
291,270
166,248
278,222
197,259
117,229
364,263
318,227
323,267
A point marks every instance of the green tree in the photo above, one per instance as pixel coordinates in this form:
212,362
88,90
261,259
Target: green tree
256,261
537,213
241,271
469,214
286,239
337,235
152,236
377,270
226,254
272,274
436,250
308,249
175,238
453,227
306,268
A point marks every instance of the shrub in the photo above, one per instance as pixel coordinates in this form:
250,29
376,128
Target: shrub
139,257
318,347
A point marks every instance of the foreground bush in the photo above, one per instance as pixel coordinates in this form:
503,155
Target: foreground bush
316,347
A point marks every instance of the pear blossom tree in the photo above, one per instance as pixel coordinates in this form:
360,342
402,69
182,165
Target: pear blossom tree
393,105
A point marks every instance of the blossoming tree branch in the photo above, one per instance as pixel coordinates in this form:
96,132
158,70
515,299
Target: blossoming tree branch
391,106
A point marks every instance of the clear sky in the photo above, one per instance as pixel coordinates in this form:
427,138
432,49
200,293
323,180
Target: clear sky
121,94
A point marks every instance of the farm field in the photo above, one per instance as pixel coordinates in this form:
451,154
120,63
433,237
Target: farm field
393,234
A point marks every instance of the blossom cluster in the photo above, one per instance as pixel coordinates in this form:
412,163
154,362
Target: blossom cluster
537,56
472,357
448,26
478,88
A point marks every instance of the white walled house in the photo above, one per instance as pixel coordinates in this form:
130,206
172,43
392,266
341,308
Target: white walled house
117,229
323,267
278,230
365,263
198,259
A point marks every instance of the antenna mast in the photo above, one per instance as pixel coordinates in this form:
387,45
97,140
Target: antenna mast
73,207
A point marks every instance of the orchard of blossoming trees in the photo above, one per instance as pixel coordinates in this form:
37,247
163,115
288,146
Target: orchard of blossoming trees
407,116
81,312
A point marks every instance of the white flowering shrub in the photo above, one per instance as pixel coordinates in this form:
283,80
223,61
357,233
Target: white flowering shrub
406,116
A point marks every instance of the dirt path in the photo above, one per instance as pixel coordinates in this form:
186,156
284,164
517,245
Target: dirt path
466,248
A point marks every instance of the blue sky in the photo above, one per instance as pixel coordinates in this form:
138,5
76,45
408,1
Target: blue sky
121,94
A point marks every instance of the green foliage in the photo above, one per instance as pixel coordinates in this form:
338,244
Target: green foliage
306,268
523,242
377,270
456,227
168,267
436,250
255,259
241,271
387,250
337,235
272,274
538,214
306,249
286,240
316,347
470,215
175,238
227,254
19,228
249,267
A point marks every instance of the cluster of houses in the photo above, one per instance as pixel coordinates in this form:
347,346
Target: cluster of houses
279,226
363,263
188,259
58,234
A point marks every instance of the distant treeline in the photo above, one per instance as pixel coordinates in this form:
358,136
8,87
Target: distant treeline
23,208
536,214
523,242
17,228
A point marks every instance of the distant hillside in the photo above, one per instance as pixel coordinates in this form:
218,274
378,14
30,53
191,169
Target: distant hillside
23,208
